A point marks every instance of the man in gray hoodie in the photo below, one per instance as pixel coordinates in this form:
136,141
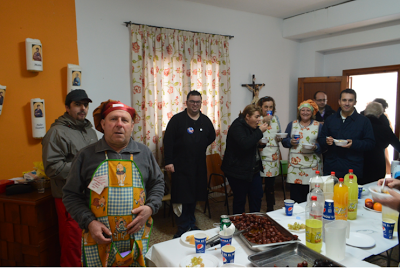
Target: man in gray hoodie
67,135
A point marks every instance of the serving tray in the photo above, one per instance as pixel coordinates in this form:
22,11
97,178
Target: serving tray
288,255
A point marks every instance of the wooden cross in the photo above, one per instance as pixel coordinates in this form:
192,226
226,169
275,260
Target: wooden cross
255,89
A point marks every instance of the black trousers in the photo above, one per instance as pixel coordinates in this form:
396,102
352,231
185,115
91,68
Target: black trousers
187,219
243,189
298,192
269,189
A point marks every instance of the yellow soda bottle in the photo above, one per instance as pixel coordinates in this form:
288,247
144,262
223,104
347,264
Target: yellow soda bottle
353,198
347,177
314,225
340,200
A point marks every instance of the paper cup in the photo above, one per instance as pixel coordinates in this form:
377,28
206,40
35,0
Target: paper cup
269,112
226,240
228,254
289,207
388,227
360,188
200,242
297,137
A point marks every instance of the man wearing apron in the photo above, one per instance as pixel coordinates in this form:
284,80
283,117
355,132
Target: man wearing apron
114,187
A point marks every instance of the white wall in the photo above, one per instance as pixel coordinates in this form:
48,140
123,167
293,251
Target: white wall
257,48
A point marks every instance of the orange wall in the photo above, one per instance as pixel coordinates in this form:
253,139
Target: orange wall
53,22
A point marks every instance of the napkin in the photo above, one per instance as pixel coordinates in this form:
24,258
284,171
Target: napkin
228,230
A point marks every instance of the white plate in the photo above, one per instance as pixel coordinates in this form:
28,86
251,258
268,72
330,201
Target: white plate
297,231
232,265
369,209
208,260
186,243
360,240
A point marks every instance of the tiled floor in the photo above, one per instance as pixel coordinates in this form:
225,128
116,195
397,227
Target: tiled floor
163,229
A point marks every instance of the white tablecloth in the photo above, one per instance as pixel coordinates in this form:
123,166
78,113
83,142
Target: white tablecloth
171,252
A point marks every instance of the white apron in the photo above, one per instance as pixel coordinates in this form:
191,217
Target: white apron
271,153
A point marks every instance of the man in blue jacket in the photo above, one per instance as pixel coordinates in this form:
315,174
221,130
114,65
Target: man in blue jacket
346,124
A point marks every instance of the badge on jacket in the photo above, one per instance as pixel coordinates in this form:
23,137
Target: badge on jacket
190,130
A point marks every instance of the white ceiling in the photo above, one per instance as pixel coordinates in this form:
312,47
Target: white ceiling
274,8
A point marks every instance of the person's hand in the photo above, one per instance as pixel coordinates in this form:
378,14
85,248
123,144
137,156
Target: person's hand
393,201
329,140
267,119
294,142
278,139
348,145
170,168
143,213
96,229
263,127
314,147
390,182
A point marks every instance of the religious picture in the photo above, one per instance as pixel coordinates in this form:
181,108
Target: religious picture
37,52
2,95
76,78
38,107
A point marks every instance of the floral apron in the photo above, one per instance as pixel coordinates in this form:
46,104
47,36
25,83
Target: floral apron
113,207
271,153
303,162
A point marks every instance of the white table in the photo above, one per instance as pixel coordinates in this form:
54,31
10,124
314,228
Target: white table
171,252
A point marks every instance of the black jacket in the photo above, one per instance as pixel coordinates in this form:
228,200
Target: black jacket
240,153
328,111
185,148
374,160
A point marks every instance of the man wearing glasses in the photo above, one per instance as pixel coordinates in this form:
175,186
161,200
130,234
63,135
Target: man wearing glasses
186,139
324,110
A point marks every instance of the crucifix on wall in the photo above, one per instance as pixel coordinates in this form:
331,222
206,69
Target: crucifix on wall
255,89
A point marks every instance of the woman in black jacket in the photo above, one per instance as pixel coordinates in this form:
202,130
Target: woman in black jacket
242,162
374,160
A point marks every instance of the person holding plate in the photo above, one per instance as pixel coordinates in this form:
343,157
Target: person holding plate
305,153
270,155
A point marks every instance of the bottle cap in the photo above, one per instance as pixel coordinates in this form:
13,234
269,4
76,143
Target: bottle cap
333,173
317,185
313,198
351,176
341,179
317,172
350,170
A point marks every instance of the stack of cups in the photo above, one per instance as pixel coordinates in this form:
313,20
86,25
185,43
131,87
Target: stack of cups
328,215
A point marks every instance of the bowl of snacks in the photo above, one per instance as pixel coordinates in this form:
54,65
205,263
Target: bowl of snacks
308,146
377,192
340,142
281,135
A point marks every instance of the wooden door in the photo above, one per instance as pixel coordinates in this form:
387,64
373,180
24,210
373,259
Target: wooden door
332,86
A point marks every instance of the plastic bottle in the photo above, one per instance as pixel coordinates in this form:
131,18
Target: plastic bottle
353,198
316,180
347,177
341,200
314,225
329,184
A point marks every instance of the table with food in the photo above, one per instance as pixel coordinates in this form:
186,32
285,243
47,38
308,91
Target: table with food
276,239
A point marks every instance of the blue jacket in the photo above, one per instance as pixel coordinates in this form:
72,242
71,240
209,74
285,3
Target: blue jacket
339,159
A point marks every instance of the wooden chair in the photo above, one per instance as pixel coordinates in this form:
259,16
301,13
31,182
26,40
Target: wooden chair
217,182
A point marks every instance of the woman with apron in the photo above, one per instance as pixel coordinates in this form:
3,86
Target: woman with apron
270,155
302,162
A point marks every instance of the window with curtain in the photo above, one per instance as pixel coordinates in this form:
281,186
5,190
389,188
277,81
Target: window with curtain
166,65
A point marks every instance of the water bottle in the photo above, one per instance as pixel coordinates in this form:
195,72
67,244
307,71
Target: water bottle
316,180
353,198
329,184
314,224
341,200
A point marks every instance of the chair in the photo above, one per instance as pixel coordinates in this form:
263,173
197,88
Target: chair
283,171
217,182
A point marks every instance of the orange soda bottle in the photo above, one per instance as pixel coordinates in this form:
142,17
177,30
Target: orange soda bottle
341,200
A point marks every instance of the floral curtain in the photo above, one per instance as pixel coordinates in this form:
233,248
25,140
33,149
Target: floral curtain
166,65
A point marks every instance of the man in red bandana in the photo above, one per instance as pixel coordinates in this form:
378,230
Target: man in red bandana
114,187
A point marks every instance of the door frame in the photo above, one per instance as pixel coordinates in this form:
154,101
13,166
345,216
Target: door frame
376,70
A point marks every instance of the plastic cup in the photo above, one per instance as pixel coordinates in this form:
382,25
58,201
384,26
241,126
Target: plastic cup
388,227
297,137
228,254
388,213
200,242
289,207
269,112
360,189
40,185
226,240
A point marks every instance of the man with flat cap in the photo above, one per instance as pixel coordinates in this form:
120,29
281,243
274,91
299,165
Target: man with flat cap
67,135
114,187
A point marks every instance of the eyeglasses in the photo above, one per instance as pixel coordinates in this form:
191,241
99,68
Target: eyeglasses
320,100
194,102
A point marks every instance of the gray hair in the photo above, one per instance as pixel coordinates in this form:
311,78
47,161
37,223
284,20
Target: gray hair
374,109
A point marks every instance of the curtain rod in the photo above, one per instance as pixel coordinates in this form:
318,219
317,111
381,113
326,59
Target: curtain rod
129,23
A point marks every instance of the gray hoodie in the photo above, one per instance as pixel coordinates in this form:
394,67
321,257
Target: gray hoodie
61,143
